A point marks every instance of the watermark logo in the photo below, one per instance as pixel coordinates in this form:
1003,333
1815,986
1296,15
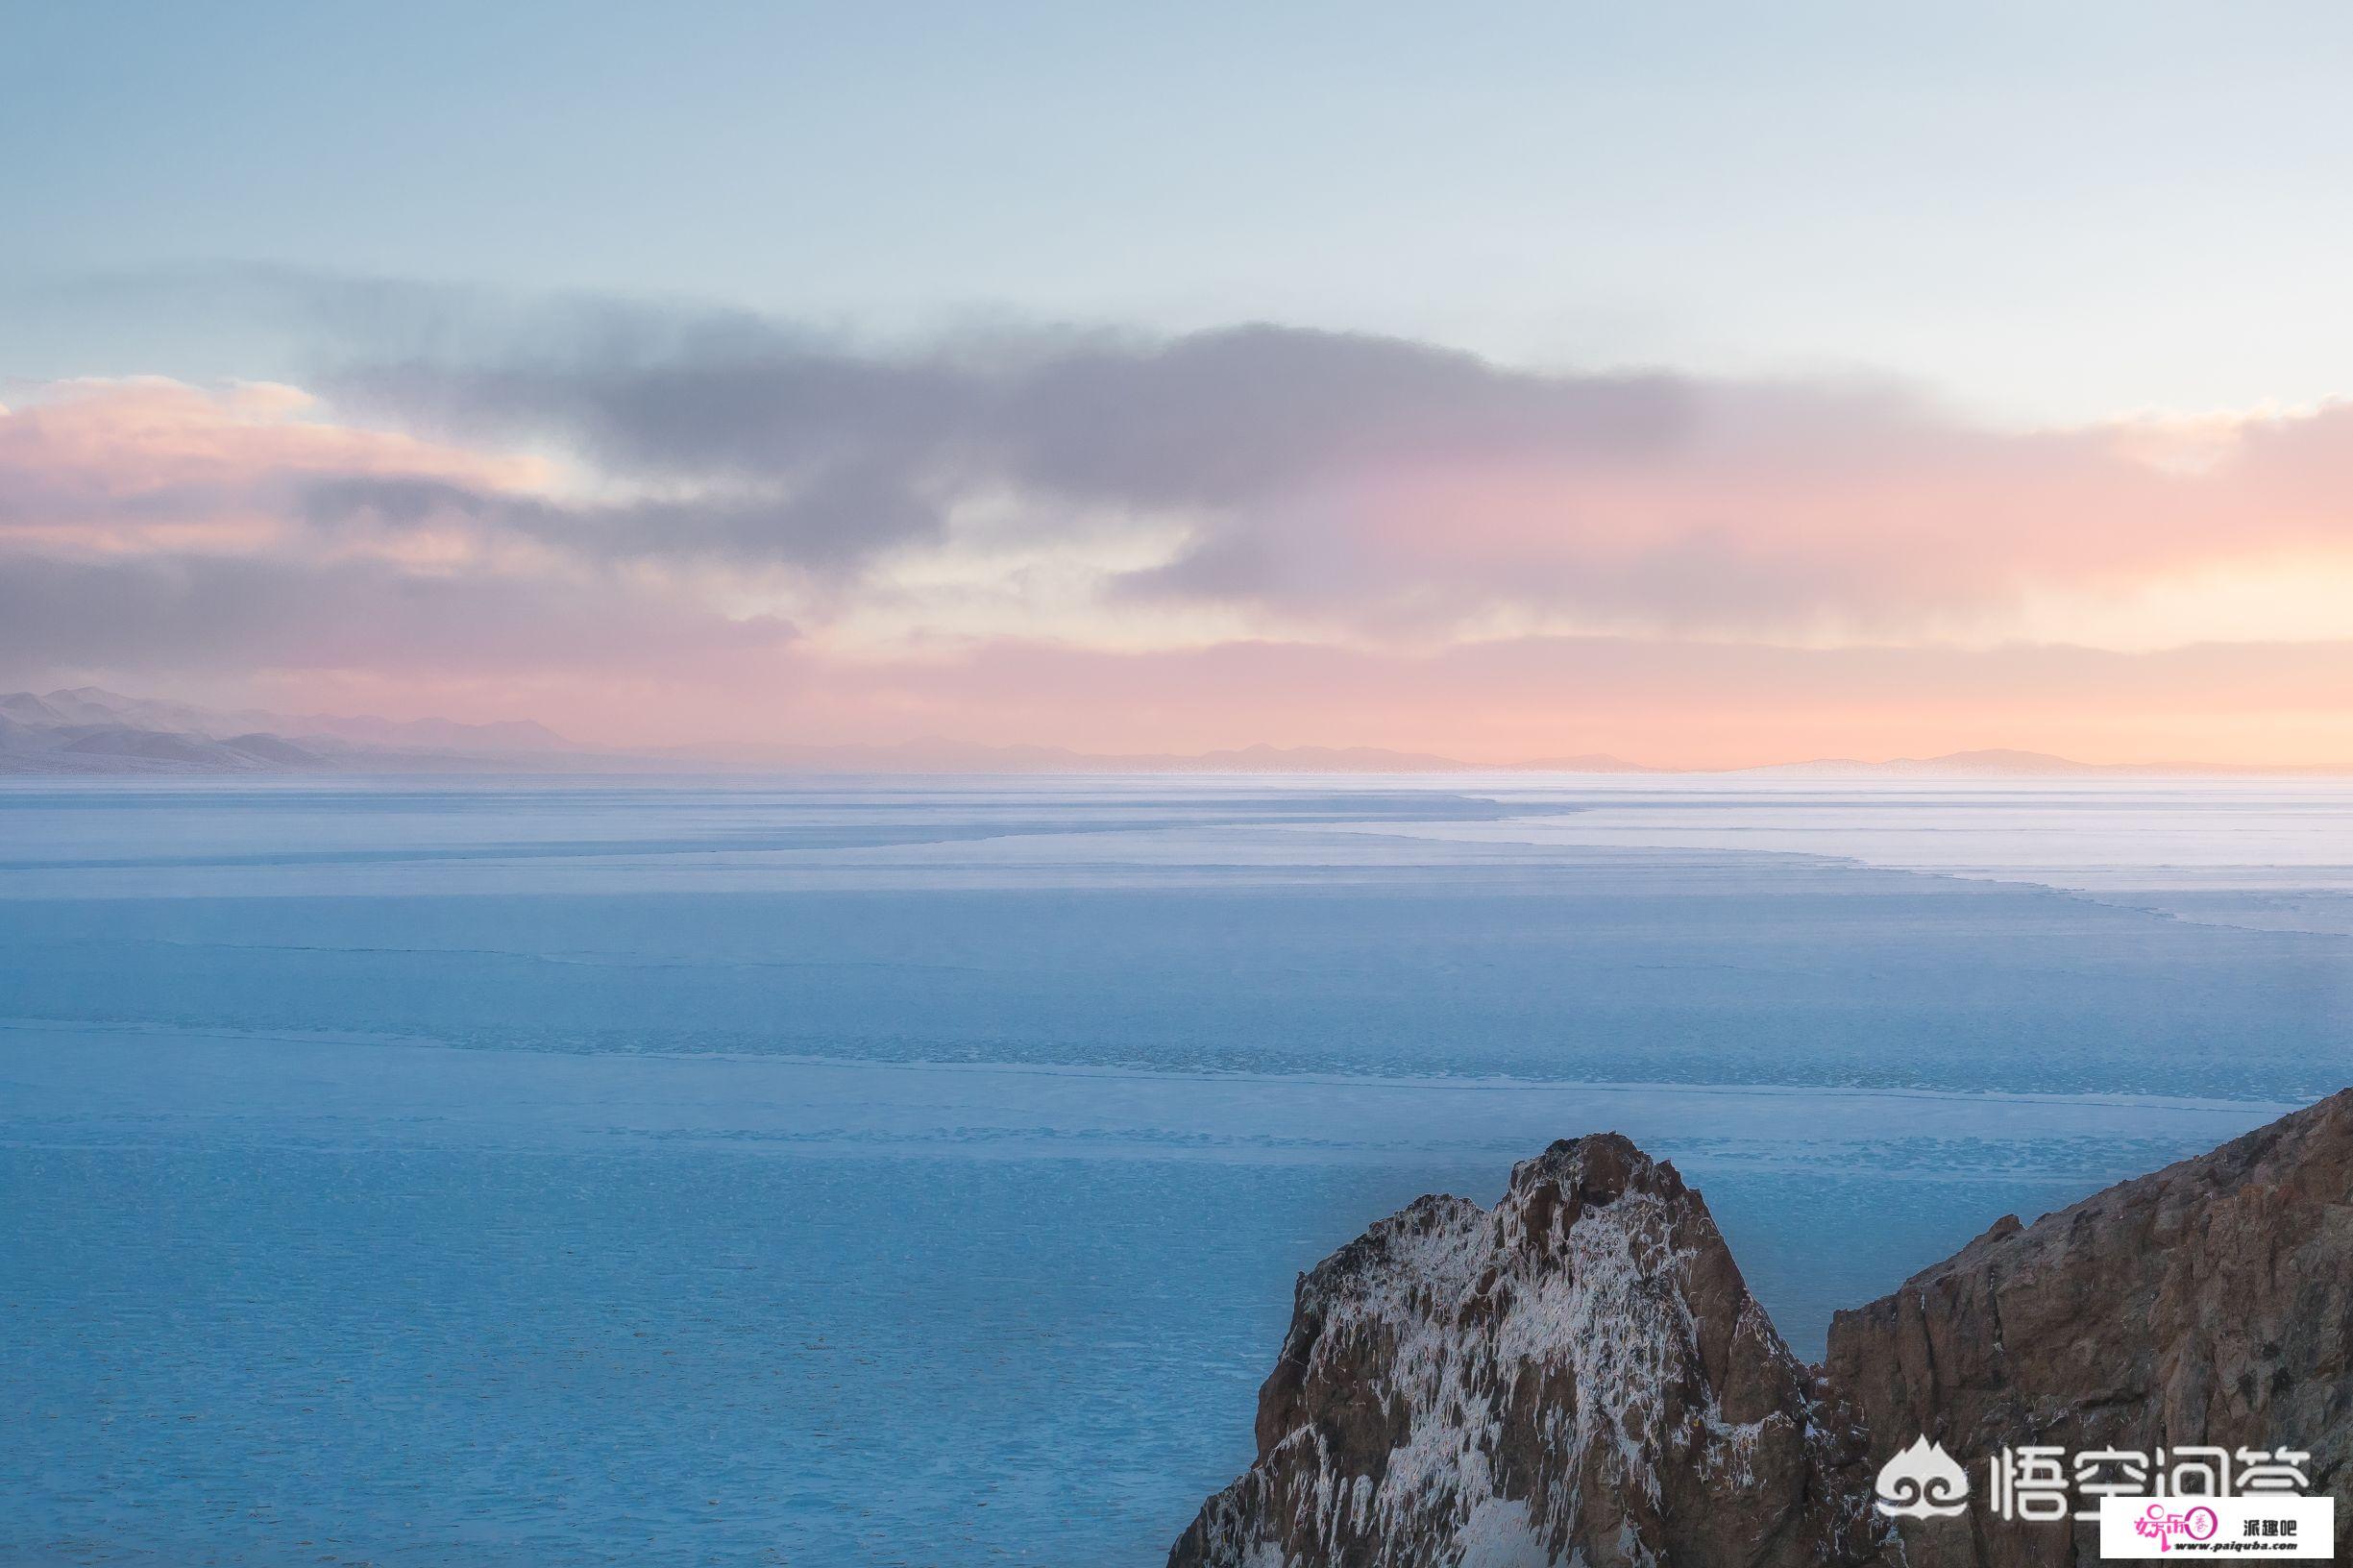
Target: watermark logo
2195,1523
1924,1481
2193,1502
2258,1525
2040,1484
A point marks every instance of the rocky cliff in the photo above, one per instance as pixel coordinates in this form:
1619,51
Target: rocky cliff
2208,1304
1579,1376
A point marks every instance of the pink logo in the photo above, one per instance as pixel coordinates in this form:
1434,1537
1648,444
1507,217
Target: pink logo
2196,1524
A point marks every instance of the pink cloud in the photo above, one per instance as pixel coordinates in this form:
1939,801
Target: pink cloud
1683,703
236,536
146,463
1390,488
1779,511
151,530
1669,703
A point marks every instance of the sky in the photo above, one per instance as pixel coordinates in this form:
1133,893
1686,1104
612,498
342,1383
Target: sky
1705,384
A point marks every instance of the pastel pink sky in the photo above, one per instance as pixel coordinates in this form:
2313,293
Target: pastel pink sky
1190,543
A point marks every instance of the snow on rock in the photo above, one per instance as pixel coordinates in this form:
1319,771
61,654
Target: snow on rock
1578,1377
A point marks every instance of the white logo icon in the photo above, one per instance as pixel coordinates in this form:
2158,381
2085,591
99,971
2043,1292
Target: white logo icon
1923,1483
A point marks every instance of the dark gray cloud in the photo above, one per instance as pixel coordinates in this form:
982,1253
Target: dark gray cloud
208,614
845,454
1232,417
829,525
1330,479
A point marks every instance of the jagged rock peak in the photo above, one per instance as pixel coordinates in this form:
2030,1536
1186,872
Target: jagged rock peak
1577,1376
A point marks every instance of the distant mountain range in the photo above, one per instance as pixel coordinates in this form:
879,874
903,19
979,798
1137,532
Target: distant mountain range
89,730
92,730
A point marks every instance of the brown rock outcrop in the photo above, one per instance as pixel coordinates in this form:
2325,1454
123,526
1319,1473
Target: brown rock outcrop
1580,1375
2208,1304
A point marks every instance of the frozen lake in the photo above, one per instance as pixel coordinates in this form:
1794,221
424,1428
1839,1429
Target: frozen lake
915,1171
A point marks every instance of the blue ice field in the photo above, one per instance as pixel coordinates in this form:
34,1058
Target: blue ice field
543,1172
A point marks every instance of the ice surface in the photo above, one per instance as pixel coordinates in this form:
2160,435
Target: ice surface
880,1171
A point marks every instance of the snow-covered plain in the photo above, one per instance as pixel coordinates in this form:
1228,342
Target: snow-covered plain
915,1171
